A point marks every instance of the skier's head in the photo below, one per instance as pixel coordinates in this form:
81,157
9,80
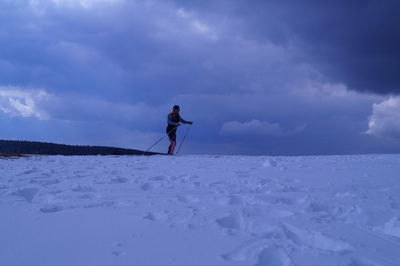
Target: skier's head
176,108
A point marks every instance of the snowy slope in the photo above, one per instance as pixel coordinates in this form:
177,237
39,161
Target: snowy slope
200,211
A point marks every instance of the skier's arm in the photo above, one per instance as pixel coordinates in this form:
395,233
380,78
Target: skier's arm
184,121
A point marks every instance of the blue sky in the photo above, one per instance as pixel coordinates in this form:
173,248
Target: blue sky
256,77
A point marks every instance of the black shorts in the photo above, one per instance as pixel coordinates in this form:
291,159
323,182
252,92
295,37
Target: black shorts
171,131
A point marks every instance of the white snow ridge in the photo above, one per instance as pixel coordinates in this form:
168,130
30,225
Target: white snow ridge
200,211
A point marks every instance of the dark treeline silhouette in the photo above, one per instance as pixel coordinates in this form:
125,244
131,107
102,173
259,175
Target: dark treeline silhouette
43,148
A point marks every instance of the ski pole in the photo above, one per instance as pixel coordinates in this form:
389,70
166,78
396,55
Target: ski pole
158,141
180,146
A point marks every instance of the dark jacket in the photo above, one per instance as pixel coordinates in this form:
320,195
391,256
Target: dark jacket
174,119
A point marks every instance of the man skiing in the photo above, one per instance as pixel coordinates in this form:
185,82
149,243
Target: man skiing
174,121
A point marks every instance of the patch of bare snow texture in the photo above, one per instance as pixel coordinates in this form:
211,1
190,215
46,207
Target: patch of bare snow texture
200,210
391,227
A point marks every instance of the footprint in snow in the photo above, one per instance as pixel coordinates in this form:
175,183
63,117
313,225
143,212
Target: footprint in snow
28,172
187,198
273,256
236,200
250,249
362,262
27,194
80,188
157,216
317,207
286,188
158,178
232,221
117,252
315,240
242,174
99,204
117,244
140,168
118,180
49,182
85,196
51,209
285,201
393,204
147,186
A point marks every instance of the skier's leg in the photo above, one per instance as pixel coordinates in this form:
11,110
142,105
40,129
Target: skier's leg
171,147
173,144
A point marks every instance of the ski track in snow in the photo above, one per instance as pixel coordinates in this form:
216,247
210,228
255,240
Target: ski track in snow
200,210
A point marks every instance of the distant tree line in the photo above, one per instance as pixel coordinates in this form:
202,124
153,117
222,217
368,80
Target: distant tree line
43,148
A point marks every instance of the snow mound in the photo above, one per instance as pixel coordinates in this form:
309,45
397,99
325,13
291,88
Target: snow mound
270,163
392,227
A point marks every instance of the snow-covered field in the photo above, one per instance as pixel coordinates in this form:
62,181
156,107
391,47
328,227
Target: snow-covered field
200,211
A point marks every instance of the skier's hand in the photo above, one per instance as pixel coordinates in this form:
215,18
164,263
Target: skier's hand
190,122
178,125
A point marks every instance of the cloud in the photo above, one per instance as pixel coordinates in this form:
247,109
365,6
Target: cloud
355,42
86,4
43,105
122,50
249,128
17,102
385,119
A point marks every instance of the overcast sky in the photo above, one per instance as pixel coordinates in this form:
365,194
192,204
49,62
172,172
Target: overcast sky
268,77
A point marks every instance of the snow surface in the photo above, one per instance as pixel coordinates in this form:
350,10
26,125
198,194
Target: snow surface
200,211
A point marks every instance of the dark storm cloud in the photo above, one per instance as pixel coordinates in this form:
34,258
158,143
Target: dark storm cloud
353,42
132,52
67,49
